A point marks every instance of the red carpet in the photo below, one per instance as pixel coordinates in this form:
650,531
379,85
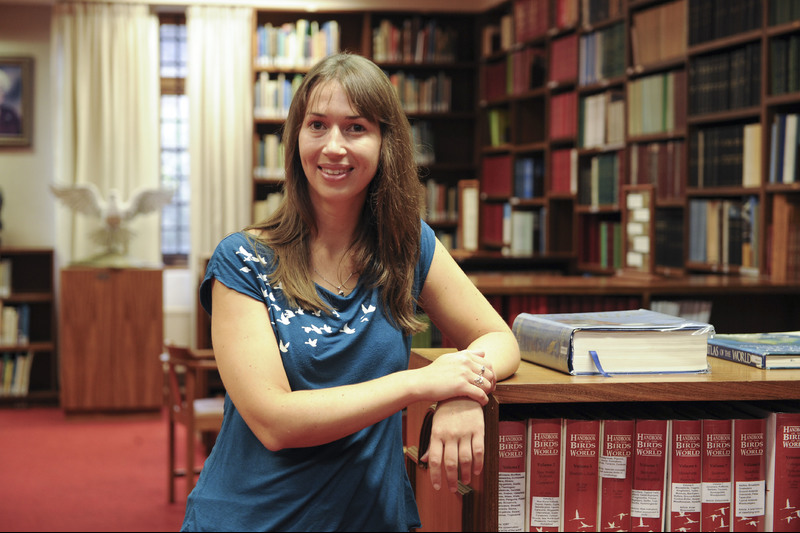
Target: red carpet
61,473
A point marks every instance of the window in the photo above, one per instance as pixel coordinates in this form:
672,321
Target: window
174,139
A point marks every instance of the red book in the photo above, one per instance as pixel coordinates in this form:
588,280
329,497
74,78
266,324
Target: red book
783,471
580,474
511,476
685,470
716,476
749,465
497,175
616,474
544,474
649,474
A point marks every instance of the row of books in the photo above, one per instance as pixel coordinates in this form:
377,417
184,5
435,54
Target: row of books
269,155
414,41
657,103
272,96
598,180
594,11
424,142
563,60
724,231
784,143
601,120
725,156
669,237
600,242
601,55
785,256
725,80
521,71
783,11
659,33
784,77
564,171
297,44
441,203
14,324
514,231
696,467
564,115
15,373
431,94
714,19
659,164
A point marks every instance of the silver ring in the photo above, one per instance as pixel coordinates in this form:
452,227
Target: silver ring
483,369
479,380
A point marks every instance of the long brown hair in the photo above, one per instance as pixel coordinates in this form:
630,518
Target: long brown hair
386,246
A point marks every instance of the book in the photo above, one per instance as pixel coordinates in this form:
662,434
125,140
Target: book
648,489
579,474
716,473
761,350
609,342
748,469
615,473
684,470
783,469
511,475
543,473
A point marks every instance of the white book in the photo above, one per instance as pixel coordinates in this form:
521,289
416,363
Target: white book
790,148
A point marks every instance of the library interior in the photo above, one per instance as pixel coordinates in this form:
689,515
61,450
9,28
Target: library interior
580,158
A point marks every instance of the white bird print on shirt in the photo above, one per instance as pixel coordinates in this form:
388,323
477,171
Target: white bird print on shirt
312,342
245,269
367,310
284,347
347,329
283,319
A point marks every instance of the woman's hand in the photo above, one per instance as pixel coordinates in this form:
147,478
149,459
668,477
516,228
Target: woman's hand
457,440
457,374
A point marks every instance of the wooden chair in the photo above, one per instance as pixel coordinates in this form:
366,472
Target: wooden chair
196,414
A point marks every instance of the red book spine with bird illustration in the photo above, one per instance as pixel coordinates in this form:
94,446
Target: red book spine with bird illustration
649,474
616,474
580,474
544,474
511,475
783,471
716,478
749,467
685,474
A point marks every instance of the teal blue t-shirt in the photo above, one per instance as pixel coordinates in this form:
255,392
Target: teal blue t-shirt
357,483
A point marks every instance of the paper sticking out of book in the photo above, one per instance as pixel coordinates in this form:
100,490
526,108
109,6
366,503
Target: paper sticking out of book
780,349
638,341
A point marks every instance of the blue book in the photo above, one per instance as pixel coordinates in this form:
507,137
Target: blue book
761,350
638,341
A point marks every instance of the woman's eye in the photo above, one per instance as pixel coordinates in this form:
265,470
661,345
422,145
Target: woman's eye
316,125
358,128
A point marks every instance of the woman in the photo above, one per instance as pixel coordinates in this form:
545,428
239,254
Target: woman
312,312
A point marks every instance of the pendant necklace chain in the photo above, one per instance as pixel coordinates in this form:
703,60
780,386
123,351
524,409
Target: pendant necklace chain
338,287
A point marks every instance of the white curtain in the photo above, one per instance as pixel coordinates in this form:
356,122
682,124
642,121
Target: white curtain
106,123
219,87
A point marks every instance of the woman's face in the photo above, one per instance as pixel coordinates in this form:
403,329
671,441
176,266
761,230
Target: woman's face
339,149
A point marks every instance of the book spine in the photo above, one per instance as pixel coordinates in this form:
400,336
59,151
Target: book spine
511,476
615,474
649,474
783,472
580,457
749,474
684,469
737,356
716,477
547,343
543,465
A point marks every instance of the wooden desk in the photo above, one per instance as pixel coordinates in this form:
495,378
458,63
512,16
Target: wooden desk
477,508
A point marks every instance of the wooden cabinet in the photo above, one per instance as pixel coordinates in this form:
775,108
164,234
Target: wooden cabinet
111,337
27,295
534,385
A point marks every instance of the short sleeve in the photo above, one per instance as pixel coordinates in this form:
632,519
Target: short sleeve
239,266
427,248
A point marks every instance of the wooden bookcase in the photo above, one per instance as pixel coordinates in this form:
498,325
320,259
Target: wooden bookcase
31,286
475,508
111,337
690,112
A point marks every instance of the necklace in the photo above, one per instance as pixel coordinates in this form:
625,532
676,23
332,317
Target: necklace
338,287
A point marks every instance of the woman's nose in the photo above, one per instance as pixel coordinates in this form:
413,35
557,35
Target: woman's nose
335,142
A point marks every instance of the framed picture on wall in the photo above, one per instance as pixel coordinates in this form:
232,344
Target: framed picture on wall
16,101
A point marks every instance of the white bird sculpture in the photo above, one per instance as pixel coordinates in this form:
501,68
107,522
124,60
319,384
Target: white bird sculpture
114,236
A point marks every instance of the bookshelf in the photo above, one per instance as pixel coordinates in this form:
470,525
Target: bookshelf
27,283
694,98
475,507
